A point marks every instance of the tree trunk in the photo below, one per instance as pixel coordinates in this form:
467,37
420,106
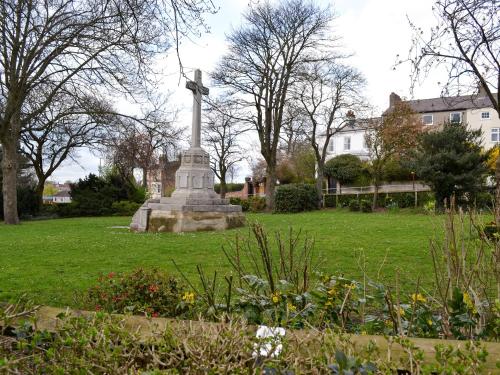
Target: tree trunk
319,185
223,188
375,194
270,186
39,191
9,185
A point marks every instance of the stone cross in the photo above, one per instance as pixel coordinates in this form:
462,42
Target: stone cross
198,90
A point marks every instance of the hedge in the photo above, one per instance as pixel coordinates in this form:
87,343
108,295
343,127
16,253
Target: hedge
295,198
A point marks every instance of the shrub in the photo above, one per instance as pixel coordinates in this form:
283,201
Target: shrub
256,204
145,292
229,187
365,205
244,203
125,208
354,205
295,198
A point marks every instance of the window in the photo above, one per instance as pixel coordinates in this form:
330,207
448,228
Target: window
347,143
495,135
428,119
331,145
456,117
485,115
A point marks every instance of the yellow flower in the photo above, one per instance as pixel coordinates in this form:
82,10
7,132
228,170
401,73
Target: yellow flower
364,332
188,297
429,322
291,307
275,297
401,311
329,302
388,323
332,292
418,298
351,286
469,303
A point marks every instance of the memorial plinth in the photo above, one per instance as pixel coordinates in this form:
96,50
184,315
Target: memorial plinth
194,205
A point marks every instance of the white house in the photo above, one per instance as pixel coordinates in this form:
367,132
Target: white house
350,140
62,197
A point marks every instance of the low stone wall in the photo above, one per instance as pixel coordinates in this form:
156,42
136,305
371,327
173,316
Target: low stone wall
46,318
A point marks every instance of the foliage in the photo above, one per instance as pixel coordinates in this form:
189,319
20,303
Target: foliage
244,203
273,279
125,208
391,138
344,168
400,200
365,205
95,196
354,205
256,203
467,276
296,198
141,292
102,344
230,187
451,162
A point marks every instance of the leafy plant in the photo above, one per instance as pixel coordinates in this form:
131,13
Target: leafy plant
144,292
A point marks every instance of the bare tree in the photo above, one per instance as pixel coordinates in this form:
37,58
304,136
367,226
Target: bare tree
138,142
329,95
264,57
393,136
56,134
221,135
466,41
76,47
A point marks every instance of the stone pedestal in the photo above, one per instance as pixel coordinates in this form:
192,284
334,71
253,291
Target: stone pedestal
193,206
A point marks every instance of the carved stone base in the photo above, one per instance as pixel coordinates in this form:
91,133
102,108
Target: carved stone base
155,216
193,206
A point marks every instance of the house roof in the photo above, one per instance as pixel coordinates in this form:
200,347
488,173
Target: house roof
446,104
62,194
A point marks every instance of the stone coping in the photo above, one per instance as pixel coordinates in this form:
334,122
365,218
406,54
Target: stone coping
46,318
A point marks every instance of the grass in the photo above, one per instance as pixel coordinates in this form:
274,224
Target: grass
54,260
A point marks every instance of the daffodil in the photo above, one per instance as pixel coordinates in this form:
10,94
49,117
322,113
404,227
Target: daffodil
275,297
418,298
188,297
469,303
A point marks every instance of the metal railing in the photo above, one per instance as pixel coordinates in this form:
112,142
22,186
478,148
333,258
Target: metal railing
391,188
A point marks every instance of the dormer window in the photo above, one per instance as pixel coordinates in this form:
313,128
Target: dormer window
428,119
485,115
456,117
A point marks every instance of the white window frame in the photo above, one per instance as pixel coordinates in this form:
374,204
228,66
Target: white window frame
495,132
485,113
455,113
347,142
430,123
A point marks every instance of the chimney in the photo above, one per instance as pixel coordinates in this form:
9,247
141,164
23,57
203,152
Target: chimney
393,99
482,91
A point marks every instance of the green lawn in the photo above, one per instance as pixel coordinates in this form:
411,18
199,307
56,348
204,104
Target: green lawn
51,260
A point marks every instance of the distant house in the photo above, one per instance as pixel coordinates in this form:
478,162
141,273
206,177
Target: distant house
62,197
474,110
350,140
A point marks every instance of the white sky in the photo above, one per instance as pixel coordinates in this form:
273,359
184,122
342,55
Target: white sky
374,31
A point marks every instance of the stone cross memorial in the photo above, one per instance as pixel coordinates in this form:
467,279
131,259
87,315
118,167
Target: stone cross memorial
194,205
